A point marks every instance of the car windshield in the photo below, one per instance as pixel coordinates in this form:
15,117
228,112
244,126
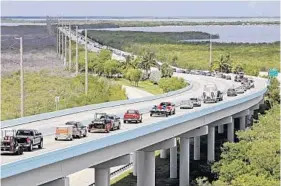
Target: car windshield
111,117
230,89
25,132
165,104
186,102
70,123
131,112
193,99
100,116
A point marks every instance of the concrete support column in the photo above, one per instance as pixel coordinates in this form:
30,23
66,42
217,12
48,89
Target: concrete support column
196,148
230,131
163,153
59,182
173,161
220,129
146,168
184,161
242,121
102,176
135,164
211,143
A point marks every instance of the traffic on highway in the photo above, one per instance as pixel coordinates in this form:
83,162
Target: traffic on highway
17,141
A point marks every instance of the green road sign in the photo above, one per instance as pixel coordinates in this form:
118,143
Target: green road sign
273,72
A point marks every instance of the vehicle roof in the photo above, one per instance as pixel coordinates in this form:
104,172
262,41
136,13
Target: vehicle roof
25,129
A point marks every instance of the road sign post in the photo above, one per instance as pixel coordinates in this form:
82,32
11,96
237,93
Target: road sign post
272,73
57,99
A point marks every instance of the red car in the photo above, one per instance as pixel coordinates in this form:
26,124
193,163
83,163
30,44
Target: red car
132,115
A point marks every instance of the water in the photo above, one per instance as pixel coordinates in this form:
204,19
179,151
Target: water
227,33
185,19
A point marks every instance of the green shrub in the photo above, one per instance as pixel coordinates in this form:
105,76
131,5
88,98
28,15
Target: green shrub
41,89
171,84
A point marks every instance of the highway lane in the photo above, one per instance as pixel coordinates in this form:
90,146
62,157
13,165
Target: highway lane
50,144
48,126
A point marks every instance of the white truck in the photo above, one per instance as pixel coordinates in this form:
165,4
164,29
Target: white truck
211,94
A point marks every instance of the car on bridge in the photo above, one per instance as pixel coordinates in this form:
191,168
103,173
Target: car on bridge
9,143
231,92
239,77
164,108
79,130
240,90
228,77
104,123
211,94
186,104
196,102
132,116
29,138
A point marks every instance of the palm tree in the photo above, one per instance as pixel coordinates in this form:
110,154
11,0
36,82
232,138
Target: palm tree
224,64
147,62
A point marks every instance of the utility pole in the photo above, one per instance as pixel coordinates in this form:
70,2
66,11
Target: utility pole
86,64
210,60
76,50
69,49
21,79
65,45
62,42
59,39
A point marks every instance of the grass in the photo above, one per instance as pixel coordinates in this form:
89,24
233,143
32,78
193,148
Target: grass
253,57
41,88
143,85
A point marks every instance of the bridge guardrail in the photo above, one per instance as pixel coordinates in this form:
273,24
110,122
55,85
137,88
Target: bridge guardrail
49,115
27,164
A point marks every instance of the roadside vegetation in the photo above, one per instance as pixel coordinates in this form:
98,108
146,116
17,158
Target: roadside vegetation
41,88
250,57
132,72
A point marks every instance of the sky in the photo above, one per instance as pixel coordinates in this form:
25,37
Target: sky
142,8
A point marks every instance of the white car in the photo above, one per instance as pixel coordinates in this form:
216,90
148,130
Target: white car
186,104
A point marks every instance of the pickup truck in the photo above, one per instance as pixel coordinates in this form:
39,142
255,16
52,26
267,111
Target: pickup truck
29,138
9,143
132,115
104,123
79,130
164,108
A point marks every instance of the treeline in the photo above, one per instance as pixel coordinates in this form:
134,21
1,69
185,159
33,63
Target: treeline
253,58
133,69
255,159
120,39
40,90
